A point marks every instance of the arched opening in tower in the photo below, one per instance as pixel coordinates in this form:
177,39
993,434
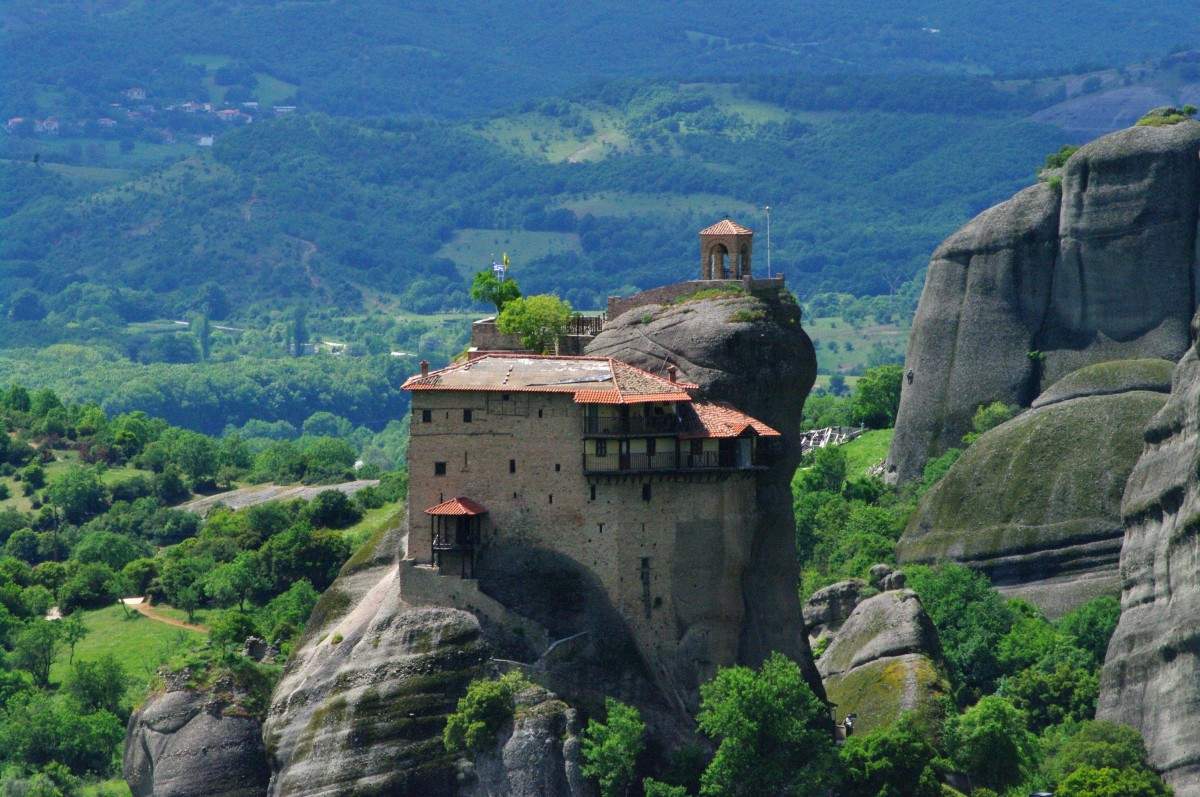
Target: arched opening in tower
718,264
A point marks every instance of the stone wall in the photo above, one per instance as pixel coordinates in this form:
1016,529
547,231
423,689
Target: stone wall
617,305
669,549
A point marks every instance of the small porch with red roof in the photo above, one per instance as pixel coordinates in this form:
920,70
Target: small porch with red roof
455,529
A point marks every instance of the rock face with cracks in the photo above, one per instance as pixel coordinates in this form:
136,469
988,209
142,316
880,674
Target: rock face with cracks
1151,675
187,742
884,661
1036,502
1100,267
752,352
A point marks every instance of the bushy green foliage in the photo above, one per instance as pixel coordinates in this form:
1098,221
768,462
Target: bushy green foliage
539,320
611,748
990,740
480,713
486,288
1092,625
902,759
988,417
877,397
1057,160
772,733
971,619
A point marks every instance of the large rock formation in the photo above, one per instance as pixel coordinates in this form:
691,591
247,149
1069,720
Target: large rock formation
1151,676
1035,503
752,352
883,661
1102,266
196,742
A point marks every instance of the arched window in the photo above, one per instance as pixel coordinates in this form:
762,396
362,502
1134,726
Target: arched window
718,262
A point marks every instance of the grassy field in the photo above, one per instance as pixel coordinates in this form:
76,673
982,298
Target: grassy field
473,249
64,460
868,450
139,643
842,347
373,521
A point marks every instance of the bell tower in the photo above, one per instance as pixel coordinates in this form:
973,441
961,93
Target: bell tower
725,251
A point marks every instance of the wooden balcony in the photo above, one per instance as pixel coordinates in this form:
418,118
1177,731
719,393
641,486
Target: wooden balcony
630,426
671,461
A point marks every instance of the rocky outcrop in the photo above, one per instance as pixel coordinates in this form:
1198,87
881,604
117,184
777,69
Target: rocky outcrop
827,608
189,742
1101,266
1151,675
751,351
1035,503
539,754
362,702
883,661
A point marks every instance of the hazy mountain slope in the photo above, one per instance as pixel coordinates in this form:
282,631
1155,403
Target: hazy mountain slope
457,59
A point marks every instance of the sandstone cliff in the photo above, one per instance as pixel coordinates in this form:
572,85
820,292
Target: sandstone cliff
1151,676
1101,267
186,741
884,660
361,704
752,352
1035,503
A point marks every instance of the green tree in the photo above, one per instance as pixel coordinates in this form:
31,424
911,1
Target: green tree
990,741
773,733
97,685
877,396
611,748
232,628
36,649
333,509
1091,626
78,493
202,331
1092,782
74,631
1054,695
539,320
654,788
105,547
34,475
1100,744
898,761
988,417
480,713
486,288
235,581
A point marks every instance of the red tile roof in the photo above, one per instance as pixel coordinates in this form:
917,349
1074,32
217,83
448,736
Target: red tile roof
590,380
726,227
457,506
718,419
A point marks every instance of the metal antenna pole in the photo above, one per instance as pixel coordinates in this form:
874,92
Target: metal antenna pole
770,273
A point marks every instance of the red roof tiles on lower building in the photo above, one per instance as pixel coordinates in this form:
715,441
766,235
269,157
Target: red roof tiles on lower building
457,506
717,419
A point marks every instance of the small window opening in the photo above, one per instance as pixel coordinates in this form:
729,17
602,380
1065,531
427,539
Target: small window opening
439,469
512,466
467,416
551,498
593,498
602,448
646,492
426,416
651,446
697,446
557,467
504,397
539,413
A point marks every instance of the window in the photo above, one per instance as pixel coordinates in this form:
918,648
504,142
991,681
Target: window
557,467
466,416
646,493
439,469
593,498
512,466
426,416
651,446
551,498
602,448
504,397
539,413
697,447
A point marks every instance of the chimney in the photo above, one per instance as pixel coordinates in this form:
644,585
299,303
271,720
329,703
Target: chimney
671,372
424,367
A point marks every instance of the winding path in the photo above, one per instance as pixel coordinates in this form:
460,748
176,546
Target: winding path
148,610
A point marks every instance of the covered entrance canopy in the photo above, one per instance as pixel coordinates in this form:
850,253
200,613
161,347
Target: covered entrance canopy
454,527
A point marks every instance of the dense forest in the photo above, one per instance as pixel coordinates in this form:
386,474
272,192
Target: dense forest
430,59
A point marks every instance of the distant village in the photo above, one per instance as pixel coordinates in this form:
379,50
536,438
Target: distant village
138,115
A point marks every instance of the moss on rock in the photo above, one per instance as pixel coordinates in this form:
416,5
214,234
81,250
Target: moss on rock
1107,378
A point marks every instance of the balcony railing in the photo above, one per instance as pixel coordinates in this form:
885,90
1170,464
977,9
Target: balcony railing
633,425
668,460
